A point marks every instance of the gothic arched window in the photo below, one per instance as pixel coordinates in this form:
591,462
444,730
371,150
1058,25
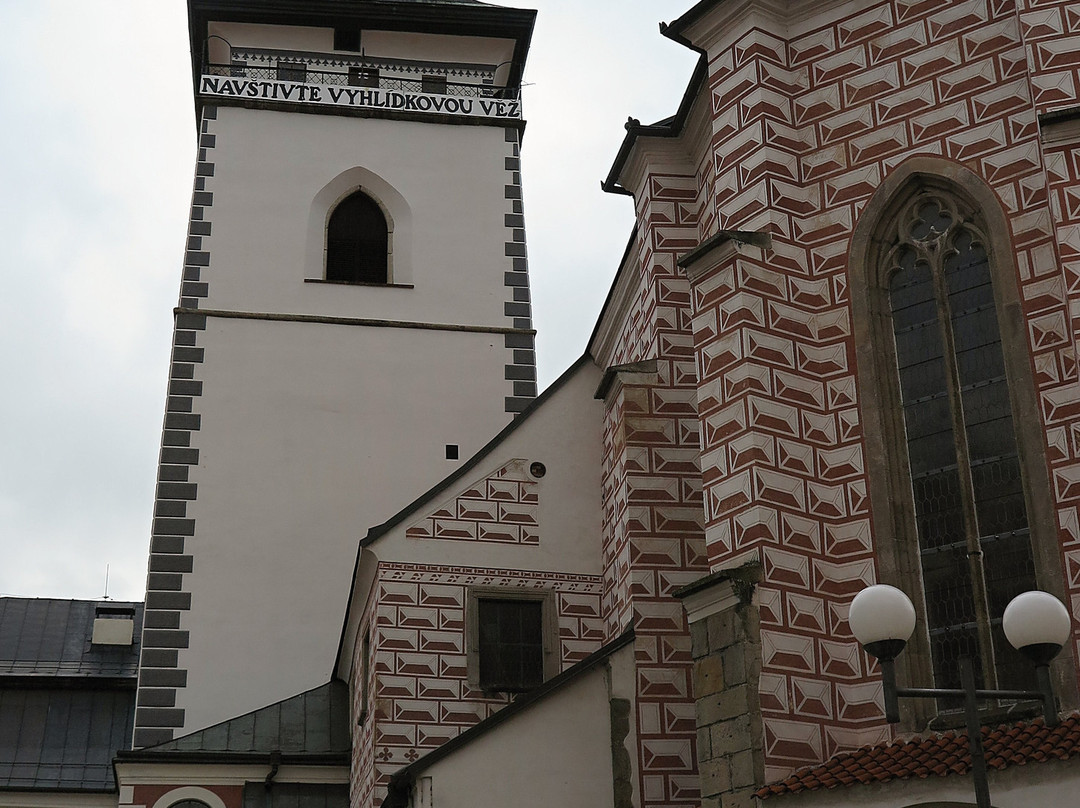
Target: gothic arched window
357,241
963,516
965,471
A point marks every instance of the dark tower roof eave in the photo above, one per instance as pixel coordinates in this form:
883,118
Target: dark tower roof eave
454,17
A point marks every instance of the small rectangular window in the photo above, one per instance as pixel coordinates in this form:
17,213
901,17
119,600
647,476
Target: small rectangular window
512,638
347,39
511,644
435,85
291,71
363,77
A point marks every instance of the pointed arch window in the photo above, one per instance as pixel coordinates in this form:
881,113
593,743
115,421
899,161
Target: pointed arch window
965,470
358,242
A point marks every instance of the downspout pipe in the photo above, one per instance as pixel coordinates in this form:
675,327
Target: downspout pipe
671,128
275,764
398,792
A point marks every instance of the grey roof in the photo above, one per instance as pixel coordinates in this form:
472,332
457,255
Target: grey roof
66,705
63,740
311,724
48,637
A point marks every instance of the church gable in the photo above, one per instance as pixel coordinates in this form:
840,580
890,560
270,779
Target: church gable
501,506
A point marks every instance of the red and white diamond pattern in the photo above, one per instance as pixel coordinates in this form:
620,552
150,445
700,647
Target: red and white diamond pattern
804,131
419,692
653,540
501,507
748,441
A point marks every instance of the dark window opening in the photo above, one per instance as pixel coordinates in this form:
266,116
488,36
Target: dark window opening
451,451
357,242
347,39
238,69
363,77
511,644
291,71
435,85
970,511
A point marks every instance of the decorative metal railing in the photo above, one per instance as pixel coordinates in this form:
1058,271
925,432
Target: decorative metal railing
300,73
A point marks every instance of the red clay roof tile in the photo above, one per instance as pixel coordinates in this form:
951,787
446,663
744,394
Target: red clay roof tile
937,755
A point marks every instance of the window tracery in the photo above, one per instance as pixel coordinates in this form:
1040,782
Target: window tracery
963,462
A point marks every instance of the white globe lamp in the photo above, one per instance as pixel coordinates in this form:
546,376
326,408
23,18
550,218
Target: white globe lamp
1037,625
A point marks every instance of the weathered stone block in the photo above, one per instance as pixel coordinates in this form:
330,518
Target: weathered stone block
708,676
715,777
734,659
704,744
699,639
742,769
729,737
722,629
733,702
741,799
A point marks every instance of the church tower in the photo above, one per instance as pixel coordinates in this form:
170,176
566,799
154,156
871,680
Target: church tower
354,317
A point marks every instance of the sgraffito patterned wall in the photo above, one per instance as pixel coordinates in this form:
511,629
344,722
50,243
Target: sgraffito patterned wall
653,540
805,129
420,695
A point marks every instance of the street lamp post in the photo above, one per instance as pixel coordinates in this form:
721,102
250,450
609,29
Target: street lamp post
1035,623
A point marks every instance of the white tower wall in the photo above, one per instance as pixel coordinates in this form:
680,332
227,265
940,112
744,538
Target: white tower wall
303,411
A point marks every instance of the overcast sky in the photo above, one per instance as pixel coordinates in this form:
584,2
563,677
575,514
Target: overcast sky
98,151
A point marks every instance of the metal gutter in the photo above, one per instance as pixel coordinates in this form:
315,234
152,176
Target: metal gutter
671,127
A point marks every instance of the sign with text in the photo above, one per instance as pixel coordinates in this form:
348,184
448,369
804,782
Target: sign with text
358,97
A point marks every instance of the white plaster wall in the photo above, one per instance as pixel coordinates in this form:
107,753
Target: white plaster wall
443,186
558,753
310,434
385,44
437,48
255,35
1050,784
564,434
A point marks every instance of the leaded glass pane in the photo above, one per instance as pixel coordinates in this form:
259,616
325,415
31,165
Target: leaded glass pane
941,252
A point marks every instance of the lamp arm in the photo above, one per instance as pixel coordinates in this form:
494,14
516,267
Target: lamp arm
959,693
888,681
971,714
1046,693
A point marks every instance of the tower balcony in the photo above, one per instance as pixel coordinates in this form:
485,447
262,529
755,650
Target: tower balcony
364,82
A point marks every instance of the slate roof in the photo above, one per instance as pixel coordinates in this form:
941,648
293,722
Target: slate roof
311,724
66,705
50,637
937,756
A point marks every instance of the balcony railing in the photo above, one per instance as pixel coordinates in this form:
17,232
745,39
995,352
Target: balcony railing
300,73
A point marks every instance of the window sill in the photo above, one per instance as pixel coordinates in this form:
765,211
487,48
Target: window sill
361,283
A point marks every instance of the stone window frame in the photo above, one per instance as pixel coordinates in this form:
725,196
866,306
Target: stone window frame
550,626
892,507
395,209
